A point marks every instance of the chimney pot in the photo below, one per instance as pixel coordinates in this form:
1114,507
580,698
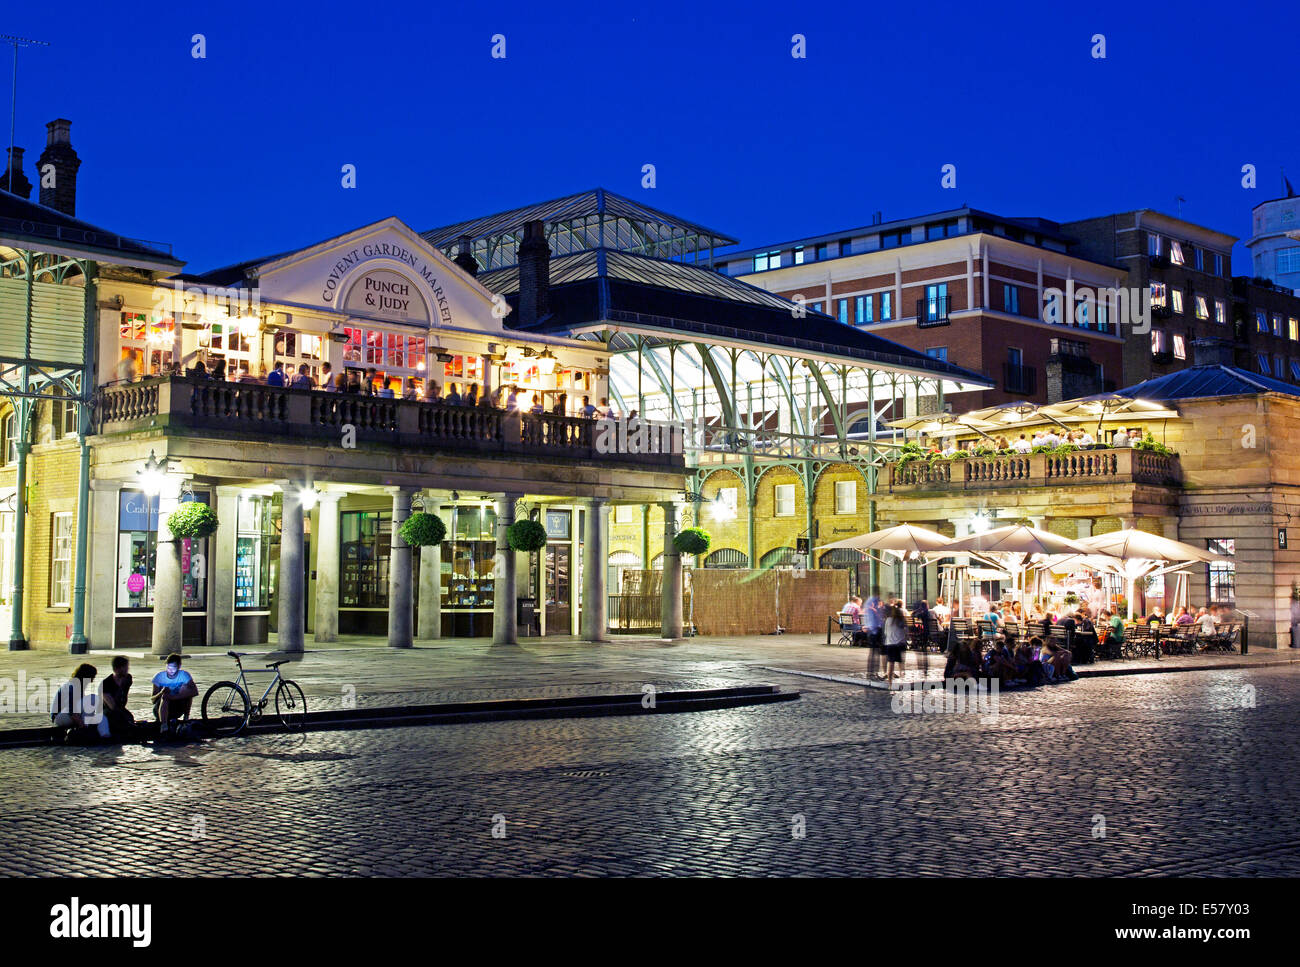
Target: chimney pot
18,183
464,257
58,187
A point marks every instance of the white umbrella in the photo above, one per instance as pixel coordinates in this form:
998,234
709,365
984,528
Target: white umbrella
1142,553
1014,547
904,540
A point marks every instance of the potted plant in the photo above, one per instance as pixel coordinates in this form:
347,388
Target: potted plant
423,529
192,520
1295,615
526,536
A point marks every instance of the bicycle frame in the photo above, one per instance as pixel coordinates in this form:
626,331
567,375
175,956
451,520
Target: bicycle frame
242,682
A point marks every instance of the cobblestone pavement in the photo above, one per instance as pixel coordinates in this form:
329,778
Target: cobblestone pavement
364,671
1192,774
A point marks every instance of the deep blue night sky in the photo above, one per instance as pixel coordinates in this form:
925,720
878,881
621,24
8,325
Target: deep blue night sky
239,154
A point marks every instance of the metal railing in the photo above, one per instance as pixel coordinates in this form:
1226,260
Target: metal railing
932,311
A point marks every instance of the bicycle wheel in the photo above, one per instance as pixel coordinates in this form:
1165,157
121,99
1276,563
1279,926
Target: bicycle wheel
291,705
225,709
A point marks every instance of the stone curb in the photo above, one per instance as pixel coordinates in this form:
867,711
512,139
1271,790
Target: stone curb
501,710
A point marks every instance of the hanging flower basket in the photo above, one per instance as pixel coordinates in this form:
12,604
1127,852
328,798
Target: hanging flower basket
192,520
526,535
693,540
422,529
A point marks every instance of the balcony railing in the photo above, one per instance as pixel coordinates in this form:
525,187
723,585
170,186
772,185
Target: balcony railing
1118,465
252,410
932,312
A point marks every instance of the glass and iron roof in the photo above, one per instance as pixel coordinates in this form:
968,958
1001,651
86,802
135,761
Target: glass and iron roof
577,223
1199,382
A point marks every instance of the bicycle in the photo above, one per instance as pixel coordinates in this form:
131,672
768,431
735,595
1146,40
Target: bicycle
227,709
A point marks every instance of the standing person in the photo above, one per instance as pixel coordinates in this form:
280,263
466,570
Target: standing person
605,410
561,404
174,690
431,390
73,703
369,388
412,390
588,408
326,377
276,376
453,396
471,395
126,367
303,380
895,629
219,370
387,391
117,720
512,401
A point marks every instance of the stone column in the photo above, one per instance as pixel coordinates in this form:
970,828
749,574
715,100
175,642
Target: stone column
595,563
430,610
327,567
290,590
17,634
221,569
399,573
167,612
505,624
671,598
101,597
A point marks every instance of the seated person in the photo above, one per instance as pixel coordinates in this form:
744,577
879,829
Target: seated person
1028,667
941,611
117,721
1000,663
173,691
1057,666
852,612
1205,622
1182,618
948,450
962,663
73,710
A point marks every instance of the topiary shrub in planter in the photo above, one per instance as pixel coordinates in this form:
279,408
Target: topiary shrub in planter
526,536
192,520
423,529
693,540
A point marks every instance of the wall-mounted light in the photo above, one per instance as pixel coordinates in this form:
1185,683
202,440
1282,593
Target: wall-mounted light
307,497
152,474
980,523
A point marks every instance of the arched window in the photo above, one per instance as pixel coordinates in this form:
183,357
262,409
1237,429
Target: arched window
727,557
841,557
777,557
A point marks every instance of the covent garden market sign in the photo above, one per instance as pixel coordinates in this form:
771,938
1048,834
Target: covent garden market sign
383,293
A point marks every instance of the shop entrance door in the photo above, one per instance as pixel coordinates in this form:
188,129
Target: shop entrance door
556,589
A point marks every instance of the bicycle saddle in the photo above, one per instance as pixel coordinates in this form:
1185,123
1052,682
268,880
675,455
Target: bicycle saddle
236,654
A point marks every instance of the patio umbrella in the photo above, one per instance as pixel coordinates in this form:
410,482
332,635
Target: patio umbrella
940,424
1108,405
1013,414
1143,553
903,540
1015,546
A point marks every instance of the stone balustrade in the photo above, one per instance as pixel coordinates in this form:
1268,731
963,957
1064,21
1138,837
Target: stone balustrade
1119,465
252,410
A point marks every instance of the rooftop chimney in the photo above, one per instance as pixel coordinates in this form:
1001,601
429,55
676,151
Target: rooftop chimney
534,274
14,179
59,183
465,258
1212,352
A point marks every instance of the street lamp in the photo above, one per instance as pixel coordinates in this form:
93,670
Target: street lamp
980,523
151,476
307,497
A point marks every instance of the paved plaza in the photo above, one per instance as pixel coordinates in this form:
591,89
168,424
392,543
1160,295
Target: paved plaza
1180,771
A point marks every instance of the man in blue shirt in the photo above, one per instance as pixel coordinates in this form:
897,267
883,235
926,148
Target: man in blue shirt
276,376
173,691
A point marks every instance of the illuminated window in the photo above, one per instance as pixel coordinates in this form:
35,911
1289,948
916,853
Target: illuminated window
1220,311
846,496
784,494
1222,574
886,306
798,255
1177,295
1261,321
1153,244
1293,328
1277,324
842,310
1180,347
1202,307
1175,253
1159,294
150,338
60,560
768,260
1157,340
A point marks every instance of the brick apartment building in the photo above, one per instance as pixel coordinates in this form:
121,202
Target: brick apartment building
1194,297
961,285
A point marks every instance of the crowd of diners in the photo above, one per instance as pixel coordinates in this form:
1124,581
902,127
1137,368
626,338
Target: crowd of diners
1048,437
1000,645
370,382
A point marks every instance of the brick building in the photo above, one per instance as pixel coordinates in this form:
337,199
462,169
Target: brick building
965,286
